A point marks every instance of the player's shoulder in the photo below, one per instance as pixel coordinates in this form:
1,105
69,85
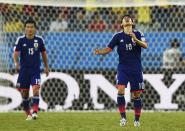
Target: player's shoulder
136,31
19,39
118,34
39,39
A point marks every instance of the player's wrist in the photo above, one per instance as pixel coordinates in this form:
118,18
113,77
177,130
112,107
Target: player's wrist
136,40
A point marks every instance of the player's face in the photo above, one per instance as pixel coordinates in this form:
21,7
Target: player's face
127,21
30,29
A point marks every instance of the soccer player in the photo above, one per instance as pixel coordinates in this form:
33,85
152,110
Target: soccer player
129,43
28,47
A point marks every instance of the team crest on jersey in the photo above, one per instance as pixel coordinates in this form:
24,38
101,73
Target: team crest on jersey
36,45
121,40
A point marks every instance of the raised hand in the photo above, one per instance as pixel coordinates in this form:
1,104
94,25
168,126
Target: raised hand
96,51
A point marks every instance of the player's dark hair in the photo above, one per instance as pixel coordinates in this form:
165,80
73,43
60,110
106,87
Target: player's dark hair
133,26
30,21
129,17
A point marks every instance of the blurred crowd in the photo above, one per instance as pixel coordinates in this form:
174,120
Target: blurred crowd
77,19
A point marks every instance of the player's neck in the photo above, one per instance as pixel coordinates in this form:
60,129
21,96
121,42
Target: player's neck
30,36
127,29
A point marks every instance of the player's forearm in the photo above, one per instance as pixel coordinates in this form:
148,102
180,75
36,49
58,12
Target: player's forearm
141,43
103,51
15,58
45,59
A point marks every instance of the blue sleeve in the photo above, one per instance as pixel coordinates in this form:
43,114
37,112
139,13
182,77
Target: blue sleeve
141,36
113,42
17,46
42,46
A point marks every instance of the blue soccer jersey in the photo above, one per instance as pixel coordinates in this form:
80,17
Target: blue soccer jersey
129,67
129,52
30,51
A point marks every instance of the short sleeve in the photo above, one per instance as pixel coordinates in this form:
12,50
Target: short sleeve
17,46
113,42
142,37
42,46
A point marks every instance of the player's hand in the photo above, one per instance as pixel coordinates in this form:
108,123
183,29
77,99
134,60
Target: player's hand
96,51
46,71
133,36
17,67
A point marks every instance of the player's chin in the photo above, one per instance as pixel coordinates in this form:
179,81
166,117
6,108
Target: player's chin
30,32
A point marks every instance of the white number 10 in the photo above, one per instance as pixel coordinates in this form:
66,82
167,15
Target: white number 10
128,46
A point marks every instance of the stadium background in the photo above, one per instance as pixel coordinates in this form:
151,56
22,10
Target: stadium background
70,49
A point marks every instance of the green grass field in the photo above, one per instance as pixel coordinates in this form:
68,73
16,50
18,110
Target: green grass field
92,121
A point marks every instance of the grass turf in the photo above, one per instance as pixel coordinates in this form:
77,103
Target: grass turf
92,121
